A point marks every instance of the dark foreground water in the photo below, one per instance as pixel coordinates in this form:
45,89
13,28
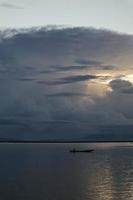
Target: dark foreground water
50,172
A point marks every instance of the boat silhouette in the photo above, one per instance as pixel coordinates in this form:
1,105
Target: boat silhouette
81,151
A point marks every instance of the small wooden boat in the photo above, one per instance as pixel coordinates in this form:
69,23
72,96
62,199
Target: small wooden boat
82,151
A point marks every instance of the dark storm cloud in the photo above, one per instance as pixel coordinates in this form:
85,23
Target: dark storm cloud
118,84
79,78
10,122
116,107
5,59
128,90
57,50
122,86
65,46
68,94
70,79
61,61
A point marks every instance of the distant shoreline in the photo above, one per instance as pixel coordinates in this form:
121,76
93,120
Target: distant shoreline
57,141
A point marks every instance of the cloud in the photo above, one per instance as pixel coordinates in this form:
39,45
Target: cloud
80,67
108,67
116,106
73,75
25,79
65,46
79,78
87,62
70,79
11,122
10,6
121,86
68,94
70,68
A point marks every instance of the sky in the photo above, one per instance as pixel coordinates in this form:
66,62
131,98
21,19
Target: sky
72,80
111,14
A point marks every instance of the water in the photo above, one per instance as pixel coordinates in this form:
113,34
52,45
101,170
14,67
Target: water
50,172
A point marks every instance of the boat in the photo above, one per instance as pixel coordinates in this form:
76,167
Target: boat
81,151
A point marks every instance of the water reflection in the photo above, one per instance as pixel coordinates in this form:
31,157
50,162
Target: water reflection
51,172
112,176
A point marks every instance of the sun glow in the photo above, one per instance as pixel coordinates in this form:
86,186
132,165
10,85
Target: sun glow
128,78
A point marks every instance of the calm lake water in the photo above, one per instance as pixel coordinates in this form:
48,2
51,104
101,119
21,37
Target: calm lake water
51,172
